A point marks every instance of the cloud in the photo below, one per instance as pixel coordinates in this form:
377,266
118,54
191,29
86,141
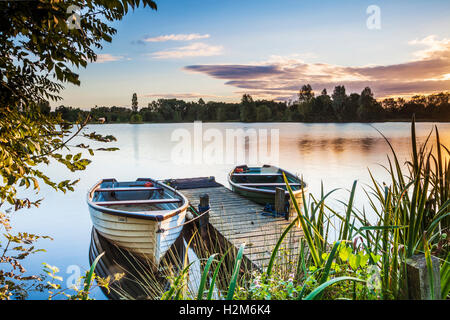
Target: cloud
235,71
280,77
177,37
197,49
180,95
106,57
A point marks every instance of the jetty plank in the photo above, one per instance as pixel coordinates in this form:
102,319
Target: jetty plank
238,220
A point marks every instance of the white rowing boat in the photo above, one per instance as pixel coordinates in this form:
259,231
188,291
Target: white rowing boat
144,216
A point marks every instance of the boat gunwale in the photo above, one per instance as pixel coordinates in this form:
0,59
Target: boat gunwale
267,191
139,215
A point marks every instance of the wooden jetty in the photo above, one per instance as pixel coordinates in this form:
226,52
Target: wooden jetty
234,220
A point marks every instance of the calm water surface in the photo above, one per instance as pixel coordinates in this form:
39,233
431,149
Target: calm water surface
335,154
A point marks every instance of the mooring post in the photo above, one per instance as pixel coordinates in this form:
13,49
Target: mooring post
204,220
280,203
418,279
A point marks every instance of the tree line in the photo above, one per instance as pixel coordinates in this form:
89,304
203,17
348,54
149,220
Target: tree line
337,107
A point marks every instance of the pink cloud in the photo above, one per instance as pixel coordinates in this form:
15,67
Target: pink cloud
106,57
177,37
427,73
197,49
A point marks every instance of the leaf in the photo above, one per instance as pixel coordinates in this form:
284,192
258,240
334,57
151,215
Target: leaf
319,289
326,270
234,276
354,261
364,259
344,253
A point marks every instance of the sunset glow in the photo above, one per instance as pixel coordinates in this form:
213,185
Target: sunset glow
269,51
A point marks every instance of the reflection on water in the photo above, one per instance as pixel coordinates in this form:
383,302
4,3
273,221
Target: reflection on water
308,145
336,154
136,142
139,281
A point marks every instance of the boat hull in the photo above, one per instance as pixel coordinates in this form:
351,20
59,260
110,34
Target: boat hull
148,239
266,196
263,197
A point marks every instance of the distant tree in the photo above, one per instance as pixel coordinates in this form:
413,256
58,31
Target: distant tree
263,113
339,100
134,103
305,94
389,104
349,113
44,107
221,114
248,109
136,118
369,109
201,101
322,107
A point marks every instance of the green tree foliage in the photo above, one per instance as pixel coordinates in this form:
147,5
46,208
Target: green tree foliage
351,108
305,94
369,109
248,109
134,103
339,101
38,54
320,108
263,113
136,118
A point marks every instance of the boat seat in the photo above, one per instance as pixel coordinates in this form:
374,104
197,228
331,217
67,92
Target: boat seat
127,189
258,174
269,184
131,202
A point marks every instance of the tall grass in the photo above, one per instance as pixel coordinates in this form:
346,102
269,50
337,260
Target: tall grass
412,217
412,212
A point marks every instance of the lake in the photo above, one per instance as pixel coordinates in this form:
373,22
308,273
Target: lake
335,154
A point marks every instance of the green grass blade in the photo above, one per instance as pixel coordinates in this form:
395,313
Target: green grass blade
445,277
306,231
440,171
235,275
88,280
329,262
315,293
277,246
168,295
429,267
214,277
205,273
345,234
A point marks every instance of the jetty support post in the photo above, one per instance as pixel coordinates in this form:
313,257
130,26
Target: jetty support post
280,203
204,220
418,278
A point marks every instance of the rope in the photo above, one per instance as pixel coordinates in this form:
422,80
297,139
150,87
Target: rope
193,210
161,230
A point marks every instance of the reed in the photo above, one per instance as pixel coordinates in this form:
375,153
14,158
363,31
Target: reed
90,275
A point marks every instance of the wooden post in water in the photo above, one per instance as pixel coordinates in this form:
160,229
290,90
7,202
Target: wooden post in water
204,220
418,279
280,202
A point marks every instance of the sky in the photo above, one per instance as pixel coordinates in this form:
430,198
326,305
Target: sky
219,50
